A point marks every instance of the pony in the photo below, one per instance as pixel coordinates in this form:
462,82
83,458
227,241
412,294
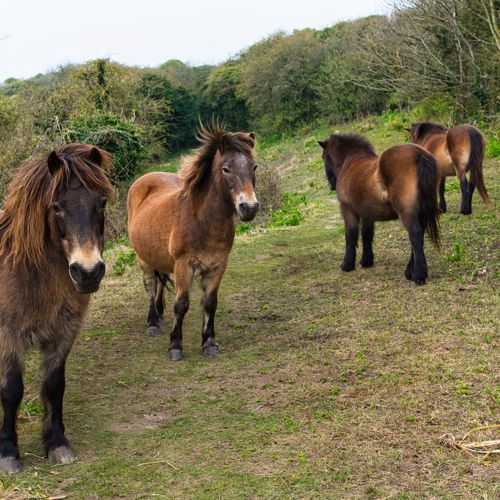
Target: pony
51,241
402,183
458,151
183,226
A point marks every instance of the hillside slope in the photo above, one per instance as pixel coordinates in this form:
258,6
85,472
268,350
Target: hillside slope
329,385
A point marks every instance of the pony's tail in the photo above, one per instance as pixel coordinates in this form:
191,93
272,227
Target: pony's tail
428,178
475,163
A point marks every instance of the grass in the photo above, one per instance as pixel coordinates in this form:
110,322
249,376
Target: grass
329,385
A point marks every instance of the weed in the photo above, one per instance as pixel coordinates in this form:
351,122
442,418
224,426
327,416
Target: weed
124,260
457,253
291,212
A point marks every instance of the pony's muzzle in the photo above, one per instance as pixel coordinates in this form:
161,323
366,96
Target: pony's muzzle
247,211
87,280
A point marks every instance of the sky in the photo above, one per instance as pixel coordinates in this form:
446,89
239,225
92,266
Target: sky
39,35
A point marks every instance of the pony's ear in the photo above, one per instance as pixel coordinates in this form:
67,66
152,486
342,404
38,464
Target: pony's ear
322,144
54,162
251,136
95,156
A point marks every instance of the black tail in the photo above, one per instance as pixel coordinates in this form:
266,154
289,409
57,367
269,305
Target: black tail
475,163
428,178
166,281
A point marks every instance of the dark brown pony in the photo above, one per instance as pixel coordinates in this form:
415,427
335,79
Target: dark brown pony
51,239
401,183
183,226
458,151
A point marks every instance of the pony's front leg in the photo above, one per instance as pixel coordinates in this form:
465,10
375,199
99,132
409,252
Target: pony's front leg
11,394
183,276
351,238
367,230
210,285
56,445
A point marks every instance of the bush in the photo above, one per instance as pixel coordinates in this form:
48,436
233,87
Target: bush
493,148
121,137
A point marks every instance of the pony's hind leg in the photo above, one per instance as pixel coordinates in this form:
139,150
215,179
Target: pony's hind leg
151,285
416,234
442,200
351,238
12,391
367,230
160,298
183,276
210,286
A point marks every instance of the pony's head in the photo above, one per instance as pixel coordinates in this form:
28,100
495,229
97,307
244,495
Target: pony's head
337,147
419,130
60,202
225,158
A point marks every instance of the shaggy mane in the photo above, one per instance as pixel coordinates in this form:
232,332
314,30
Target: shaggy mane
423,128
213,139
351,143
24,223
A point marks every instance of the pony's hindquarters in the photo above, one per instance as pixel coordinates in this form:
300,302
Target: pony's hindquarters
411,176
467,145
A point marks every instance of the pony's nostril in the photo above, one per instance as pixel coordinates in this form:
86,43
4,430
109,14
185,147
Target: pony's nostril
243,207
99,271
74,272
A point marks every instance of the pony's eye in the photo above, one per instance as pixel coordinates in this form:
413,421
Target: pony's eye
225,170
102,202
57,208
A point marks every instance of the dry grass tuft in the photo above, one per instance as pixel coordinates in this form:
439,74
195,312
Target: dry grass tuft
478,449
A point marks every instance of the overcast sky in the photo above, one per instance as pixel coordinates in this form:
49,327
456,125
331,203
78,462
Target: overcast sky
39,35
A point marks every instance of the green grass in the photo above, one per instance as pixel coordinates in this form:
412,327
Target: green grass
329,385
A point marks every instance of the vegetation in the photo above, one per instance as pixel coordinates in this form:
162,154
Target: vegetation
439,59
329,385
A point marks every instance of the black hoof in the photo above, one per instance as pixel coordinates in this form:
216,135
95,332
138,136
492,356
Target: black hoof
176,355
442,208
11,465
211,350
346,269
366,263
61,455
419,280
153,331
466,211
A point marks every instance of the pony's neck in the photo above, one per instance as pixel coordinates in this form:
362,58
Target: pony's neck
215,212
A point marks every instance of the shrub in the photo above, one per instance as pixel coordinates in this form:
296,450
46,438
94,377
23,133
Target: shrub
121,137
493,148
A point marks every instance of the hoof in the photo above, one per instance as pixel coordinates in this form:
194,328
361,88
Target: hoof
442,208
153,331
465,212
176,355
419,281
10,465
61,455
345,269
367,264
211,350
